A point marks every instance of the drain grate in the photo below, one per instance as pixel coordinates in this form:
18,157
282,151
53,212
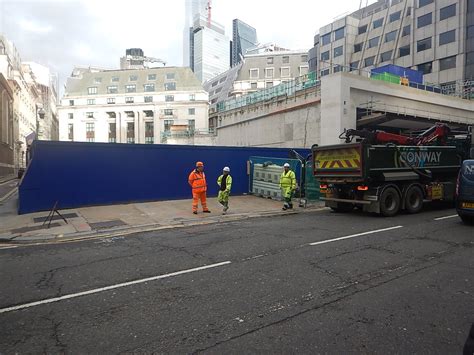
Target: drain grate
107,224
55,218
34,228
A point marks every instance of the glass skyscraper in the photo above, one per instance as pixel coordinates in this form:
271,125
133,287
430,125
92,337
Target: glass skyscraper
243,38
193,8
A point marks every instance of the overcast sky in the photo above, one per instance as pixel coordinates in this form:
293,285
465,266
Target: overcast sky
62,34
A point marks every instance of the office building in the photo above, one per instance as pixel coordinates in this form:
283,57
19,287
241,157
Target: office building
244,37
193,8
433,36
209,49
132,106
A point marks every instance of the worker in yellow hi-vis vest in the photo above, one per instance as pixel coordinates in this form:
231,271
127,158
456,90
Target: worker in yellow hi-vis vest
287,186
225,184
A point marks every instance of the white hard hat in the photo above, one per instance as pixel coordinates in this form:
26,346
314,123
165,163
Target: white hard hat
286,165
226,168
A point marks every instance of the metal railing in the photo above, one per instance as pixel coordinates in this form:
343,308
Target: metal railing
285,89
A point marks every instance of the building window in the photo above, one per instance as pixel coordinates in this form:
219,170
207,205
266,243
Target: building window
337,68
470,6
70,131
409,11
303,70
254,73
447,63
338,51
90,114
326,39
362,29
369,61
112,89
149,132
149,87
191,126
304,58
423,44
71,102
167,125
422,3
115,79
470,58
325,56
447,37
133,78
377,23
357,47
129,100
192,97
97,80
111,100
339,33
148,99
395,16
425,68
169,98
374,42
406,30
269,84
112,132
170,76
151,77
191,111
324,72
70,116
130,88
354,66
168,112
386,56
424,20
390,36
470,31
285,72
404,51
253,85
447,12
90,132
285,59
91,101
92,90
170,86
269,60
269,72
130,132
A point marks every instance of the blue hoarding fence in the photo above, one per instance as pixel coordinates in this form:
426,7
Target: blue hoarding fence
85,174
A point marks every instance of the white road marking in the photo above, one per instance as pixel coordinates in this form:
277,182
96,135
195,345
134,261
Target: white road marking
355,235
445,217
107,288
9,247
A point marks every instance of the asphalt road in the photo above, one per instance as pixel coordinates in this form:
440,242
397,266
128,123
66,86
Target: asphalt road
290,284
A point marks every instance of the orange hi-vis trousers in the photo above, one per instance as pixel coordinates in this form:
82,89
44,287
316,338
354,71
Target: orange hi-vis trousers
199,196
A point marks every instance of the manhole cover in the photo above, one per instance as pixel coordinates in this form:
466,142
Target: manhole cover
55,218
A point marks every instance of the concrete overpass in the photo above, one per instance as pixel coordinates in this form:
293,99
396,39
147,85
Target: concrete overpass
341,100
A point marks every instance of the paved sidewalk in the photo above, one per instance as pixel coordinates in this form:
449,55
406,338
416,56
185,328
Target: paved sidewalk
109,221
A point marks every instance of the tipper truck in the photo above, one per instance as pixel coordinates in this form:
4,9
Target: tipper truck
384,172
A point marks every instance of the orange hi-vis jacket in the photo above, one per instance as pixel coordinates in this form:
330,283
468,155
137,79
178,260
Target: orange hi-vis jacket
197,181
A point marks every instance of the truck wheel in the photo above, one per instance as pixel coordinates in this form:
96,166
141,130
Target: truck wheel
414,199
389,202
343,207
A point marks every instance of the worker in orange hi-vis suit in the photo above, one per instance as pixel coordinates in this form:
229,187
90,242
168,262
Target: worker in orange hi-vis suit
197,181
